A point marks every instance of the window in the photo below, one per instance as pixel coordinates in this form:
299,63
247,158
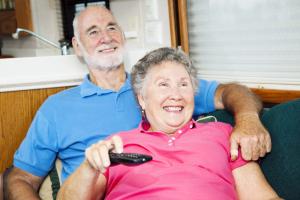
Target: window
255,42
70,8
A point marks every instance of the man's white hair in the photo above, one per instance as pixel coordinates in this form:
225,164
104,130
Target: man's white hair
91,60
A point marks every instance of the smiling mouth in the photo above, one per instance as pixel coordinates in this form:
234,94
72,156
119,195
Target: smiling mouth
108,50
173,108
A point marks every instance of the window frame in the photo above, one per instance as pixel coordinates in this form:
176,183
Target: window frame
179,38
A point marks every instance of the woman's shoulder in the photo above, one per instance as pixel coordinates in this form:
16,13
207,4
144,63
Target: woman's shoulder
127,134
215,127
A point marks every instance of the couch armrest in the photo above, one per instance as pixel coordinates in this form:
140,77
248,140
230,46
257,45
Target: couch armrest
52,182
1,186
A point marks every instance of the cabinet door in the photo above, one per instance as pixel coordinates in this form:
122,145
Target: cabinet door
23,14
18,17
8,22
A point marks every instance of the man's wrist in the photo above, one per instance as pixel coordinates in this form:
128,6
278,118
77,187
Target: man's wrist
246,115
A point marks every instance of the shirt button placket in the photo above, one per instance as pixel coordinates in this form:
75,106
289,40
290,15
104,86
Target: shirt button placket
119,103
170,142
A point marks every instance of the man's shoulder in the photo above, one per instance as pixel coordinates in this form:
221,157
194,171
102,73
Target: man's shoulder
67,95
73,92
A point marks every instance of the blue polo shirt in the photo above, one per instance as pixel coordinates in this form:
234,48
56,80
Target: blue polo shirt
70,121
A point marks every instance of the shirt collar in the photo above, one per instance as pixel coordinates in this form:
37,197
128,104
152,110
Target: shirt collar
87,88
144,127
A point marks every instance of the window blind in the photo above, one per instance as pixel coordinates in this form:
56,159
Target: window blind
255,42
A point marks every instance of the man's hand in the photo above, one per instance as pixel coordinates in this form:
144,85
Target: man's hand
251,136
97,154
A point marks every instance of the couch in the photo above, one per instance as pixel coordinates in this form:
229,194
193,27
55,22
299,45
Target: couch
281,167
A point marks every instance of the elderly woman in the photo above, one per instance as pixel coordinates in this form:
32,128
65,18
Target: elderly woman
190,160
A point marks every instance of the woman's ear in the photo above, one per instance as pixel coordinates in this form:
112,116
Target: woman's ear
141,101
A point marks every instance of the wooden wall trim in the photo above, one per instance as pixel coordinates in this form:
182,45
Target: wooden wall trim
183,27
271,96
178,24
172,19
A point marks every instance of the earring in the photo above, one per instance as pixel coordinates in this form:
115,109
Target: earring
144,118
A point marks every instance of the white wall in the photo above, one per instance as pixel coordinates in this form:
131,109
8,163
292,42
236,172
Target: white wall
145,22
46,22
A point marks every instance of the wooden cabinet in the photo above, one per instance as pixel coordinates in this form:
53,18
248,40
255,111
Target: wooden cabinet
17,110
8,22
20,17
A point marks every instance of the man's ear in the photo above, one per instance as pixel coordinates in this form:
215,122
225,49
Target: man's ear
76,47
141,101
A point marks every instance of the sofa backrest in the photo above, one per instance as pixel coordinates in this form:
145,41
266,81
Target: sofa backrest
1,186
282,166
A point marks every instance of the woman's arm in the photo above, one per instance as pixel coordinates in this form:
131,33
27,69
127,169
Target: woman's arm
251,183
88,182
85,183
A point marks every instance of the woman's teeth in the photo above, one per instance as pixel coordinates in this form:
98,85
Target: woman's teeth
173,108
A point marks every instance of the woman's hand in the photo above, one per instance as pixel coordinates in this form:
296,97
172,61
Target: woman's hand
97,154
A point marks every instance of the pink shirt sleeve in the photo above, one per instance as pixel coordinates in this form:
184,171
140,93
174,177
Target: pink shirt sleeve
238,162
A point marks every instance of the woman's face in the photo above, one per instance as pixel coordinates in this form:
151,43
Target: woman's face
167,97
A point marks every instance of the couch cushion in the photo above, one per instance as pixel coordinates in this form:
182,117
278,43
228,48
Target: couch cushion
282,166
51,184
221,116
1,186
204,119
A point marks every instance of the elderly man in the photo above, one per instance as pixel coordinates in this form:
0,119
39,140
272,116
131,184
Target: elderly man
70,121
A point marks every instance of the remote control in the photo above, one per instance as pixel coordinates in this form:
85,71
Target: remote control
128,158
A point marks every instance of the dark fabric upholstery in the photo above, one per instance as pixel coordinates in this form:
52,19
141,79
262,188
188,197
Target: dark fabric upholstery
55,183
222,116
282,166
1,186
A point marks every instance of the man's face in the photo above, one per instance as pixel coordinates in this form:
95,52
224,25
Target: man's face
101,40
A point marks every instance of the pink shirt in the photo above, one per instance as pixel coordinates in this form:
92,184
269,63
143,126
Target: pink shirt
193,163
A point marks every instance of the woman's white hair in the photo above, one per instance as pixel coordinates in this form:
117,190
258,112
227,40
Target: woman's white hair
156,57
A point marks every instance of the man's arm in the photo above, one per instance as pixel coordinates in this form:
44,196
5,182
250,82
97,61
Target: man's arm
248,132
251,183
19,184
